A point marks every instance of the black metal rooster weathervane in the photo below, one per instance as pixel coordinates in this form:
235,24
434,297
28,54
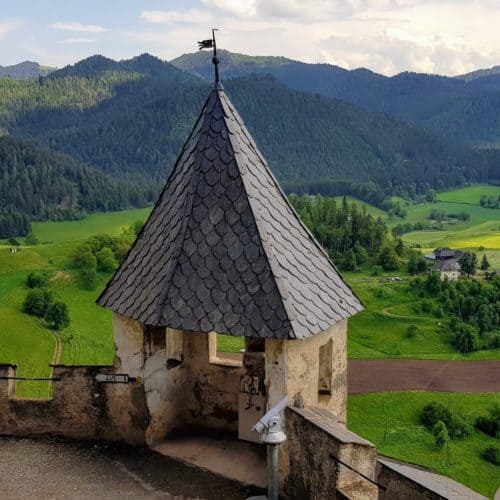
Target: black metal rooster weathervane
210,44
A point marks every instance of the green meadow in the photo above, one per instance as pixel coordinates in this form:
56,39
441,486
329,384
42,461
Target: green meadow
470,195
103,223
378,332
391,421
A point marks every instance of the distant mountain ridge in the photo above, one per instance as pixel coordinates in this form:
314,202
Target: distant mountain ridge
131,118
466,108
24,70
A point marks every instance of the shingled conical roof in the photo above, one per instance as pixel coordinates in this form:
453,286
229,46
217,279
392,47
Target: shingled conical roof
223,250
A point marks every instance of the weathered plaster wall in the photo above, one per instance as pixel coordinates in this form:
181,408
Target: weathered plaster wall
182,386
292,368
129,345
211,391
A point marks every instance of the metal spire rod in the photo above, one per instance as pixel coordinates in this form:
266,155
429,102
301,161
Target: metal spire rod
215,59
210,44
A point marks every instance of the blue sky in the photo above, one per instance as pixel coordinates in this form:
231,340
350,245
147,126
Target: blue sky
388,36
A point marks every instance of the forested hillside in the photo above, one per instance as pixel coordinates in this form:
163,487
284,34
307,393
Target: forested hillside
131,117
37,183
465,108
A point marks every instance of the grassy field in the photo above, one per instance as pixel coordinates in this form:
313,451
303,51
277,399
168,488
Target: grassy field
105,223
372,210
379,332
391,421
470,195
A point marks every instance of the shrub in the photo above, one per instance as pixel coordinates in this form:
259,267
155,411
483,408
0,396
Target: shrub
31,239
492,454
457,426
37,279
57,315
388,258
491,424
440,433
37,302
412,331
106,261
433,413
13,242
376,271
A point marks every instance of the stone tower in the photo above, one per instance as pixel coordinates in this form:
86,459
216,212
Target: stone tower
223,251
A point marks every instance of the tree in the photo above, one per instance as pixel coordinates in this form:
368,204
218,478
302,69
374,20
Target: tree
106,261
88,273
349,262
422,265
57,315
361,254
442,437
466,338
485,265
37,302
31,239
399,247
388,258
468,263
37,279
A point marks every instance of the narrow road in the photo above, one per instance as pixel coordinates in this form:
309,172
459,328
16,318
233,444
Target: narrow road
375,375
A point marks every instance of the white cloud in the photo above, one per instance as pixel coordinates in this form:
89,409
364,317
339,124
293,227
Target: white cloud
78,28
79,40
6,28
176,16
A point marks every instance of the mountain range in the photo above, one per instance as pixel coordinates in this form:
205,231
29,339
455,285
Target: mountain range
322,128
25,70
465,108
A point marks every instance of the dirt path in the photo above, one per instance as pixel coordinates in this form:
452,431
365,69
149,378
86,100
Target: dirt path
50,469
375,375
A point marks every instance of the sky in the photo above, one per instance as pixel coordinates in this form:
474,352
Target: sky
448,37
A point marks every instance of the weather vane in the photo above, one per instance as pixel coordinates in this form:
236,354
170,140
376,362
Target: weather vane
209,44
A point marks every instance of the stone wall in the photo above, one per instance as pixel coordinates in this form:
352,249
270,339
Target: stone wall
323,459
401,480
80,407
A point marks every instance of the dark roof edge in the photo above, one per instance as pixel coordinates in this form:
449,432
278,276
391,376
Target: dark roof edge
158,201
280,190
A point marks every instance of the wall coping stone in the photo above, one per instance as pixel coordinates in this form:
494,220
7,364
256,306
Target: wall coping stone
441,485
326,421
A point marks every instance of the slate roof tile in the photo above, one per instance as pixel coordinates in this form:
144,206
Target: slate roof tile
223,249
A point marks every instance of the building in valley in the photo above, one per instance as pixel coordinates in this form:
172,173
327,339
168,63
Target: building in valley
449,268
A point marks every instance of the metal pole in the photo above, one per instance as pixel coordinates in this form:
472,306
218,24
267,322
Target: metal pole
272,471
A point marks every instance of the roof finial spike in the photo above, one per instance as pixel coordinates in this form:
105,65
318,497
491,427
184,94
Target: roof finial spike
207,44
